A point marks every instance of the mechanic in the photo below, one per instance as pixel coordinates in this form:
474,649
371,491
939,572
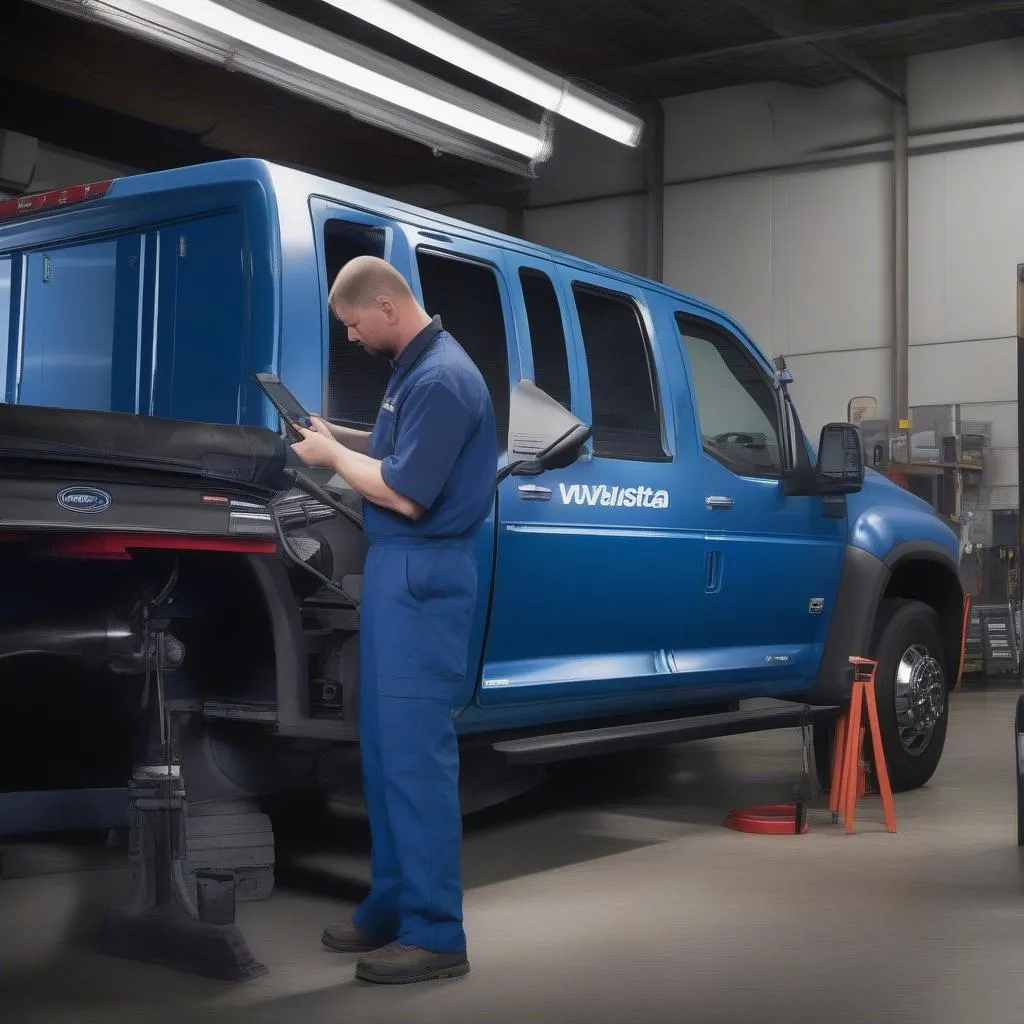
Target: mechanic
427,473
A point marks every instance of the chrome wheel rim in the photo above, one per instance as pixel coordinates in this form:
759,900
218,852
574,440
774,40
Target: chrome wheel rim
920,697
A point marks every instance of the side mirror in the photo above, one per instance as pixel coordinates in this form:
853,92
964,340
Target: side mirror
840,467
541,433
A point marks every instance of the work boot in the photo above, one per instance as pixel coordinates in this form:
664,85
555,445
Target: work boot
350,938
397,964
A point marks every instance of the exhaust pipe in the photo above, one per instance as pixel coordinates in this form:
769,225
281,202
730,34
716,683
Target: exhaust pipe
99,639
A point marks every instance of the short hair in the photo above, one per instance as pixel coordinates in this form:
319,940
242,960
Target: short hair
363,279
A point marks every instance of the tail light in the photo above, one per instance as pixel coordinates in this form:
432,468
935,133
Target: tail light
55,199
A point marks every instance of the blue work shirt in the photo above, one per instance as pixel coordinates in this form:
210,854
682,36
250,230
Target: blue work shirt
436,438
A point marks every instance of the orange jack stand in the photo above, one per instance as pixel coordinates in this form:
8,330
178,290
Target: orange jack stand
849,767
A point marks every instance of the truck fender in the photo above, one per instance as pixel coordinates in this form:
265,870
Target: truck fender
920,569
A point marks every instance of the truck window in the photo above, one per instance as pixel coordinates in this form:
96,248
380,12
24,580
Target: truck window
736,403
547,335
356,381
623,390
465,295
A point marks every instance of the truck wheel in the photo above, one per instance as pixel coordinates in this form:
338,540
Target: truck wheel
912,693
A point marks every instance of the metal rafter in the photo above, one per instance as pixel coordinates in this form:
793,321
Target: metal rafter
796,26
781,43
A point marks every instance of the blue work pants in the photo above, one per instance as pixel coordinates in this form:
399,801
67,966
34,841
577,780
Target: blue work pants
416,615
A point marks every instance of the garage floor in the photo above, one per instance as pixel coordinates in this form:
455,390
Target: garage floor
614,895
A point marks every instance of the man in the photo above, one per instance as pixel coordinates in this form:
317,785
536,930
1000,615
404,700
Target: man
427,474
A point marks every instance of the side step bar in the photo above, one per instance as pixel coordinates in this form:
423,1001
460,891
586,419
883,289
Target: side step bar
564,746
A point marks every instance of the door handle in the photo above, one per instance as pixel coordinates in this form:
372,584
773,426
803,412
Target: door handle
716,502
534,492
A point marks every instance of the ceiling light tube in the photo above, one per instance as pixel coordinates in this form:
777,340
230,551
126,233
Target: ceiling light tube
252,37
452,43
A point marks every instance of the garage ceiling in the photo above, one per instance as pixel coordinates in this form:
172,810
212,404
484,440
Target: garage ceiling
98,92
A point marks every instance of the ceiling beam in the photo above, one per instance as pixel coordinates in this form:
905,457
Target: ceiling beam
85,88
776,43
868,73
797,26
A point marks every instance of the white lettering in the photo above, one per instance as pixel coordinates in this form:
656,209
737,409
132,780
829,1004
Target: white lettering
613,497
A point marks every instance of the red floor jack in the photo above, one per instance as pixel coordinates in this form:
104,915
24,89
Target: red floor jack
781,819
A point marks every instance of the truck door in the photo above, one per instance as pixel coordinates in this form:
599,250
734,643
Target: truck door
463,282
598,564
772,562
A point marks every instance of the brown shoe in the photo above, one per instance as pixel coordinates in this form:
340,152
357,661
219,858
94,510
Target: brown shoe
350,938
396,964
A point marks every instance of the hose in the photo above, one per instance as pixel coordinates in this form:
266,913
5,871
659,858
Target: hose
321,494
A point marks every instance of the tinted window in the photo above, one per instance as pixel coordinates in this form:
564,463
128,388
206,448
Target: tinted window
465,295
356,381
735,401
627,420
547,335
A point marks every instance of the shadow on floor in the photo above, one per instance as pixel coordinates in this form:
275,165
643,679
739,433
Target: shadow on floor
656,794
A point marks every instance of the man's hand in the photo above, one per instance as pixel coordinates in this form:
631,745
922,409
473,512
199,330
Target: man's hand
318,446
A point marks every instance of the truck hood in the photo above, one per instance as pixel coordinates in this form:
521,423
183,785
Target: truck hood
883,516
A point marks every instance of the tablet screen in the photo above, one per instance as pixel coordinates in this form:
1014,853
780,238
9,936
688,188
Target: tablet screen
284,401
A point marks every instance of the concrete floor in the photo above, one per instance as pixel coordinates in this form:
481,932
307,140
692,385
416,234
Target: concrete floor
615,895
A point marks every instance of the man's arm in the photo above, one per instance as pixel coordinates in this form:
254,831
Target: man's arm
363,474
356,440
432,431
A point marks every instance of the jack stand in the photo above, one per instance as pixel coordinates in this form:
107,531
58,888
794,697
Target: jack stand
157,921
849,763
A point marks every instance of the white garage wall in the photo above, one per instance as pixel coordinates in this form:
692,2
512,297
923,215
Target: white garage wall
778,208
588,200
609,231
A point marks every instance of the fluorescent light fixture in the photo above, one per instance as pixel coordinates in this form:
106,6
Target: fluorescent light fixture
451,43
249,36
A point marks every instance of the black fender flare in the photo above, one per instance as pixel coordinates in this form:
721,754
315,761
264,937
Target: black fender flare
290,663
862,585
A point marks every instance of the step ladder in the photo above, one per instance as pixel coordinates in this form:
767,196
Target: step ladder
1000,644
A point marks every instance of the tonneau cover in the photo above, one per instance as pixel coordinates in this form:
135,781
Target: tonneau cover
248,457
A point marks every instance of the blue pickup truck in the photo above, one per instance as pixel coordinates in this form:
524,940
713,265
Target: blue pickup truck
691,551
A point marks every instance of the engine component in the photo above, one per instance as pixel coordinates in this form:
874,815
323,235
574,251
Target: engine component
334,688
136,662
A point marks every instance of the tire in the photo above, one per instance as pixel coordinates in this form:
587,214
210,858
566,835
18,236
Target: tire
907,643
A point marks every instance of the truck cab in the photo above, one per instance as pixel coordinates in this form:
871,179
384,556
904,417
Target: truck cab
694,551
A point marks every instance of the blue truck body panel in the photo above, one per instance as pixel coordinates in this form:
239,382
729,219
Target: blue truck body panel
621,591
883,516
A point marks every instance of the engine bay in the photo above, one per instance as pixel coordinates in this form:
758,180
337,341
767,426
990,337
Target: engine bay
117,561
